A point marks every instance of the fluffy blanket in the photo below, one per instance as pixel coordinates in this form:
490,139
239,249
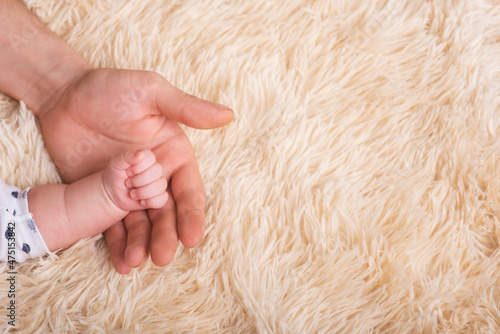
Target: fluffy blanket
356,191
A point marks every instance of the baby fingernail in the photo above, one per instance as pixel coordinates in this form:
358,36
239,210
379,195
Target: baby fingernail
133,194
128,183
143,203
130,173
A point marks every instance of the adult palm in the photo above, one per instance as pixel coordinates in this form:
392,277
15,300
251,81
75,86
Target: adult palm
104,112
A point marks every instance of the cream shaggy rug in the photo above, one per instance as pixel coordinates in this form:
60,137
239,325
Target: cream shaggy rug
357,190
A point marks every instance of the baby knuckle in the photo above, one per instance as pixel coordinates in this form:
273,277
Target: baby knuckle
164,183
158,169
155,203
145,193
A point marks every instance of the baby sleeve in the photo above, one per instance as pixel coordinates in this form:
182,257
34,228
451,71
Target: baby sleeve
20,239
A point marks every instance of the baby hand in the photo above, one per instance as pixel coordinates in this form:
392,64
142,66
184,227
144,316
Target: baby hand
136,181
145,180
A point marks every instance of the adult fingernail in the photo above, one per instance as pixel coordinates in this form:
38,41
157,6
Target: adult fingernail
221,106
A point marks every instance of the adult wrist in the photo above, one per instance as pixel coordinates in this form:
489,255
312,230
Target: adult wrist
35,64
52,81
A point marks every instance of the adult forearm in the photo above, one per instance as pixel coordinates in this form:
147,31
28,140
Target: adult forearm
34,62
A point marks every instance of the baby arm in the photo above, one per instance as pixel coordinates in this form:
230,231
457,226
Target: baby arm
65,214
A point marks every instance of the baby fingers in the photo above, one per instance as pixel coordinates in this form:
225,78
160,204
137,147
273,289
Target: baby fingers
155,202
150,175
140,161
150,190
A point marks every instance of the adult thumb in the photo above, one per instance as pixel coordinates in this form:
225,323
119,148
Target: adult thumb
188,109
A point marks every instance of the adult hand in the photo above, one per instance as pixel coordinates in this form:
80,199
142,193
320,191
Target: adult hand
89,115
103,112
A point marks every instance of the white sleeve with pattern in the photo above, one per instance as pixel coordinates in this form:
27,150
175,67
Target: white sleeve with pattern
19,237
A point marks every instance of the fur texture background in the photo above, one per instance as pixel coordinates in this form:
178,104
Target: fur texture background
356,191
